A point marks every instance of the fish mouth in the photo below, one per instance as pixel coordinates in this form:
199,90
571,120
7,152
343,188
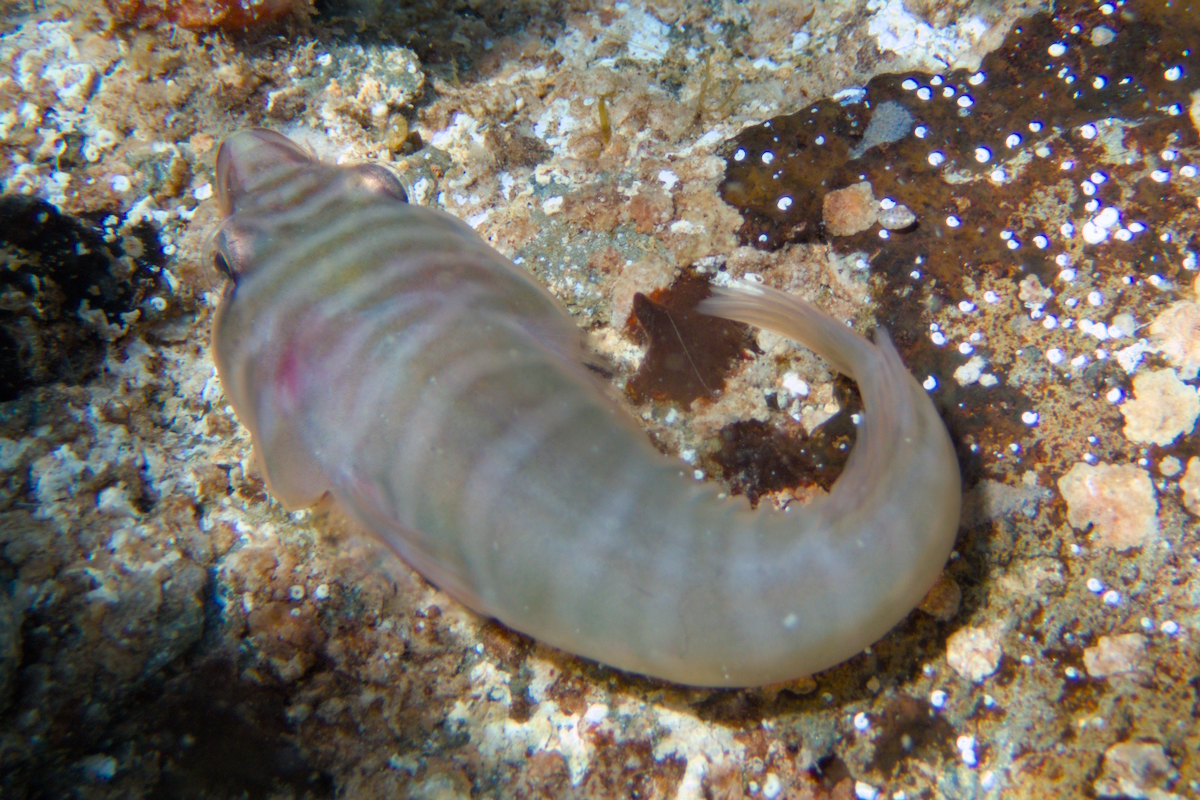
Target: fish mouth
251,158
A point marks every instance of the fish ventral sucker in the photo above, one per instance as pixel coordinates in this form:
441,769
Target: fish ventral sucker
382,352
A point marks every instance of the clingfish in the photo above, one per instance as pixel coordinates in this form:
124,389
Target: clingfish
384,354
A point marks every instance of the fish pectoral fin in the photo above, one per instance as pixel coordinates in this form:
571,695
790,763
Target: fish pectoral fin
292,477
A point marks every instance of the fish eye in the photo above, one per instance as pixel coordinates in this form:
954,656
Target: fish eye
222,265
380,180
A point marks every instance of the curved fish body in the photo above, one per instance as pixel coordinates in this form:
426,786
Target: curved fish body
384,353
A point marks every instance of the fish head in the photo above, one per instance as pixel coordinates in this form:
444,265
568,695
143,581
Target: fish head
262,177
253,161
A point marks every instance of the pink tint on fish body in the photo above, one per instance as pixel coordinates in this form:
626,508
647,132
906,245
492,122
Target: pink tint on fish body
385,354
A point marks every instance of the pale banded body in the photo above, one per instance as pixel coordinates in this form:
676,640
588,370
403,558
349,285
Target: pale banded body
384,353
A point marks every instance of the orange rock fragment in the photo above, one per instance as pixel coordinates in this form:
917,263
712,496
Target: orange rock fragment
850,210
943,600
1136,769
1189,485
1176,330
1162,408
974,653
1117,500
1115,655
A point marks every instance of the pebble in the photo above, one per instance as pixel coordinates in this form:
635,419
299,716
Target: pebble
973,653
1162,408
1189,485
1101,36
850,210
1117,500
897,217
1135,769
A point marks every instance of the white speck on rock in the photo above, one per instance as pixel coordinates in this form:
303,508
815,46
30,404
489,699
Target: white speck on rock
969,372
685,226
795,386
1093,233
1129,357
966,749
865,791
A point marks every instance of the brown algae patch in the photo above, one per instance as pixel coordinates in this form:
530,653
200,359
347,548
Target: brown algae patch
688,353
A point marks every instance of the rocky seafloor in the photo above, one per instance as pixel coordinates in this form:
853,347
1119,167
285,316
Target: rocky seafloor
1011,189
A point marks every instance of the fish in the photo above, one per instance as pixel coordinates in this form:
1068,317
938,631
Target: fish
383,355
